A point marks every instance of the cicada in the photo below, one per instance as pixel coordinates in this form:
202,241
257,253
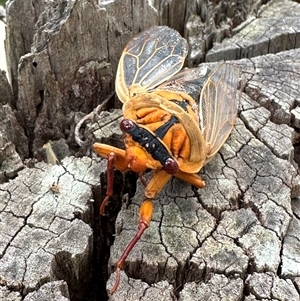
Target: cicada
164,128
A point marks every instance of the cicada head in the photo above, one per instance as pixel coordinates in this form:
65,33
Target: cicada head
137,159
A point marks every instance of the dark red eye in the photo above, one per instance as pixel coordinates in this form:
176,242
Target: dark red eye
171,166
126,125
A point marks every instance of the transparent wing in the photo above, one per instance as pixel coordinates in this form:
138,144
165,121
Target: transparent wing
218,106
190,81
149,59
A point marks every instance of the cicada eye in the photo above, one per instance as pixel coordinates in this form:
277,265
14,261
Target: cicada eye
126,125
171,166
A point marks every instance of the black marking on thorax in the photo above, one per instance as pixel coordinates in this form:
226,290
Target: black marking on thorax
162,130
150,142
181,103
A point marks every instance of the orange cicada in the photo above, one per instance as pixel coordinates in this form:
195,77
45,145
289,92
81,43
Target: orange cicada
165,129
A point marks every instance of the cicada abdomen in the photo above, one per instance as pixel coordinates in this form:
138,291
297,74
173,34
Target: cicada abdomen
166,129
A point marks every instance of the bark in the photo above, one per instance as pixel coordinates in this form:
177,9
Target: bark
236,239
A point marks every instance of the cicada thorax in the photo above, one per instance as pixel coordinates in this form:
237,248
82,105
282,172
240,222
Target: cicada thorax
169,117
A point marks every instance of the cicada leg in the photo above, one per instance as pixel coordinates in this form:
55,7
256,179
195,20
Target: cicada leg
115,159
110,181
142,179
191,178
105,150
155,185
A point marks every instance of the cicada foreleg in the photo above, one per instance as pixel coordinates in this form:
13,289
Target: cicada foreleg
115,160
110,181
155,185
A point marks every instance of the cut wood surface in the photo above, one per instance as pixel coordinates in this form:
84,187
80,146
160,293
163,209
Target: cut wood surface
276,28
46,218
236,239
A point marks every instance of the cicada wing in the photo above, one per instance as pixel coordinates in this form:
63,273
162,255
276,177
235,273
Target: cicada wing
218,106
189,81
149,59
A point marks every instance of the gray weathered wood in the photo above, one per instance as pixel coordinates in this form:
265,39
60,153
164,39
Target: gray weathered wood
13,144
46,234
7,294
6,96
204,23
275,28
57,72
56,290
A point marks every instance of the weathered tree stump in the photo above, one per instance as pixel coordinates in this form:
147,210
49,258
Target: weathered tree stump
46,218
236,239
275,29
